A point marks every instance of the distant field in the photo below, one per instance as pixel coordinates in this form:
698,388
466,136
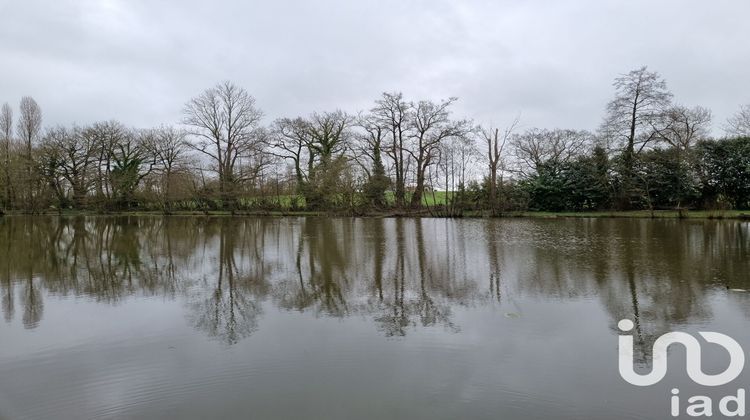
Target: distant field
439,198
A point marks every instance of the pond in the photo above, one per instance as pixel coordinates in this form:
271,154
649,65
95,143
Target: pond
343,318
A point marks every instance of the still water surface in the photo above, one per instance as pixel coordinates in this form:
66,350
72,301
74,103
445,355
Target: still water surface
265,318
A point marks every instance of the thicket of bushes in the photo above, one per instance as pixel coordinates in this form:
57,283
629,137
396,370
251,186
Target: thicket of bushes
715,174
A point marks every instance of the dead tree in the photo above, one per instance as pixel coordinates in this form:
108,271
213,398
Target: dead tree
494,142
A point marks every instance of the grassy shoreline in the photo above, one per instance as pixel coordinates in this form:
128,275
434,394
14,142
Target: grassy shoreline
636,214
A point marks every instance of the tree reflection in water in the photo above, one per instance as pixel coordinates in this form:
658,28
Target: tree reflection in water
403,274
228,304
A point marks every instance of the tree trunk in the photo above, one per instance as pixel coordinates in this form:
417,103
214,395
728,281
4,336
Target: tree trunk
493,188
416,198
7,173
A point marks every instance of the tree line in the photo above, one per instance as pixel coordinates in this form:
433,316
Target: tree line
400,155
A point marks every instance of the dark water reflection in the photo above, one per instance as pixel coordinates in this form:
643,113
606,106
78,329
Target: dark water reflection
199,317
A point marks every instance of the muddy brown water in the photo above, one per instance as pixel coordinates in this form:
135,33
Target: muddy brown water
287,318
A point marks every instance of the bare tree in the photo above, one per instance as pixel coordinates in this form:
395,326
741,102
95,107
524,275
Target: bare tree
738,125
47,168
225,122
74,159
681,127
29,128
431,126
455,158
330,138
494,142
536,148
131,163
314,146
6,133
371,142
329,133
290,140
30,122
168,147
641,97
105,136
394,115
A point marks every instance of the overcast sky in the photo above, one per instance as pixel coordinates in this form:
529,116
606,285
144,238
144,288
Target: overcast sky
553,62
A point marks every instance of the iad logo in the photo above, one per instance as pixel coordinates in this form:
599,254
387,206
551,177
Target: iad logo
700,405
693,350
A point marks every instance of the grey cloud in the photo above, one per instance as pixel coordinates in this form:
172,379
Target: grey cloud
553,62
